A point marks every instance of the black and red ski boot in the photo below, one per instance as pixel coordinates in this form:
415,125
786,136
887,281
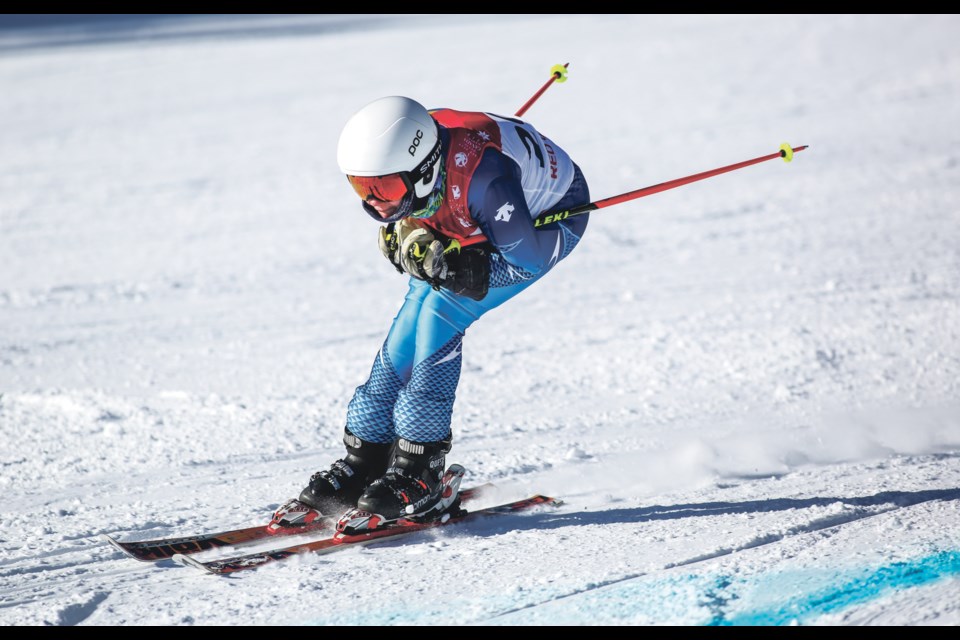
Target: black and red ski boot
337,488
414,487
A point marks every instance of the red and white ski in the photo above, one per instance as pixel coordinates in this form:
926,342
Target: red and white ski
339,541
304,522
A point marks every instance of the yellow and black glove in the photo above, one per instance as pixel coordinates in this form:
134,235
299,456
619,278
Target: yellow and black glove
390,244
415,249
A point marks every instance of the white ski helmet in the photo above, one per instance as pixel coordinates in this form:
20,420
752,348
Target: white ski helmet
390,150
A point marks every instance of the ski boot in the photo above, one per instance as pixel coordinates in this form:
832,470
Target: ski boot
414,488
337,488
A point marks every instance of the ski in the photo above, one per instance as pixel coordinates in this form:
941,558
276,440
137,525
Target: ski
340,541
165,548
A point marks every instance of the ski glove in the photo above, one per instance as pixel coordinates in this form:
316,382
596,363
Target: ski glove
391,239
390,244
438,260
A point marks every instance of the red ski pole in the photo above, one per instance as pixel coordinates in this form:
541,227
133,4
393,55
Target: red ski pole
558,73
786,152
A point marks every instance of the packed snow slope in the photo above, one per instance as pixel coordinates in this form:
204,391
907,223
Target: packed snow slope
746,390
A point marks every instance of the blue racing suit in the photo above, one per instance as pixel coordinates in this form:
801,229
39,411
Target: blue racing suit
510,174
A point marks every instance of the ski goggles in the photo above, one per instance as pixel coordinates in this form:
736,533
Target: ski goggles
394,186
387,188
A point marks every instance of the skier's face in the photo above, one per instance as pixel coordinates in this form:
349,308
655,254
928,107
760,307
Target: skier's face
384,208
383,194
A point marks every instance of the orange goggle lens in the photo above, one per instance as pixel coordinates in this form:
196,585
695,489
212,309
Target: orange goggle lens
387,188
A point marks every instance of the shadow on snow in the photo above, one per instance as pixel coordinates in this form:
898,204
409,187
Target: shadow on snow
895,499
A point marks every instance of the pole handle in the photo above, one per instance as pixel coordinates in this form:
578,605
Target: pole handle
558,73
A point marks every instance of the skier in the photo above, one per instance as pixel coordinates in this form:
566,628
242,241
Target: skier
457,193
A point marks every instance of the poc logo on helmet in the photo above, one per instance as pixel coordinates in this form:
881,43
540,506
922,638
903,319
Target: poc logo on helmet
416,143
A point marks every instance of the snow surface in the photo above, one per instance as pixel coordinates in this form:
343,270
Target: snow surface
746,390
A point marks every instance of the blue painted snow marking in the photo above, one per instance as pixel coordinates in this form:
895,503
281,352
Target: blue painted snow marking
867,586
768,599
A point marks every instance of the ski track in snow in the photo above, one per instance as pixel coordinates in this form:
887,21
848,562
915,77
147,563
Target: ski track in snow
745,390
